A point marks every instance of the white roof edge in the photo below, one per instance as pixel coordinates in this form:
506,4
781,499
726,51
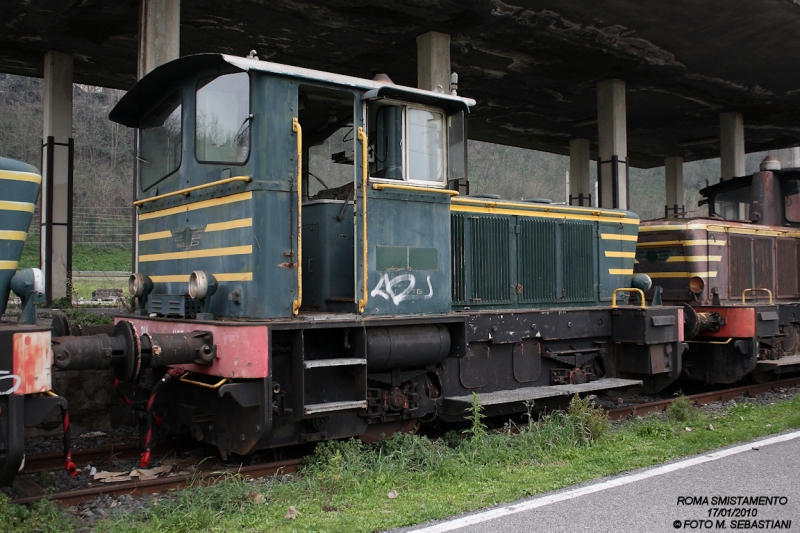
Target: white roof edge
339,79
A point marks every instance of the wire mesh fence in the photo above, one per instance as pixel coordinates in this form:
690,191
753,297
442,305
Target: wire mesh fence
98,226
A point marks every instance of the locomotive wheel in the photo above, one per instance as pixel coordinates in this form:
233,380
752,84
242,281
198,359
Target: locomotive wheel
791,340
761,377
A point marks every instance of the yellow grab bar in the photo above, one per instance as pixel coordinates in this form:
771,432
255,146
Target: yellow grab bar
216,385
362,303
186,191
379,186
490,202
614,295
299,131
769,292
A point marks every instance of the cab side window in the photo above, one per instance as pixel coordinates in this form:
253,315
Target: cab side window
791,200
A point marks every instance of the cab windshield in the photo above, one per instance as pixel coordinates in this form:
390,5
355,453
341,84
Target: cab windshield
160,142
733,205
222,121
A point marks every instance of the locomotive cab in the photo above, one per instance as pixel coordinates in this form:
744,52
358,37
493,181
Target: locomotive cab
258,177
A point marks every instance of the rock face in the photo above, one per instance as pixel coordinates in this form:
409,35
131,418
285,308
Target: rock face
107,294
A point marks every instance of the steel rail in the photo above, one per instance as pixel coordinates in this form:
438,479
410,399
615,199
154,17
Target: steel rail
138,488
42,462
702,398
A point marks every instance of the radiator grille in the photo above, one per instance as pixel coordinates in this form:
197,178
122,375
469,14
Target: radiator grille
787,267
577,244
763,262
739,256
490,265
537,260
458,258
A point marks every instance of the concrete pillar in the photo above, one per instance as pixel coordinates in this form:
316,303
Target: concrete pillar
579,159
159,33
731,145
56,229
612,143
159,43
673,174
788,157
433,62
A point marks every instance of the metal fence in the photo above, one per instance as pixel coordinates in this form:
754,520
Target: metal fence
99,226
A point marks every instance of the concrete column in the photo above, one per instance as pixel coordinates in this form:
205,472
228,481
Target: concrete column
159,33
433,62
731,145
579,159
56,229
673,174
612,143
788,157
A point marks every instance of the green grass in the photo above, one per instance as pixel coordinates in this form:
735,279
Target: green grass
344,485
84,256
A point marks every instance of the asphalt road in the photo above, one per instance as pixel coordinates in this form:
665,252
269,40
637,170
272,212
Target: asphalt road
678,496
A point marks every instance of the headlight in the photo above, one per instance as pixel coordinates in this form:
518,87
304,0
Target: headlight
641,281
696,284
201,284
139,285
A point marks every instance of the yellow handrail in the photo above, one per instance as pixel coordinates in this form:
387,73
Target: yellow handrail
614,295
379,186
216,385
362,303
299,131
186,191
769,292
541,207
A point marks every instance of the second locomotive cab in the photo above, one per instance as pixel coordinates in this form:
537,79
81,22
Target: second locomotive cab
306,269
736,273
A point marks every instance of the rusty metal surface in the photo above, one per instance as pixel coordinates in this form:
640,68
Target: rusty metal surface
701,399
137,488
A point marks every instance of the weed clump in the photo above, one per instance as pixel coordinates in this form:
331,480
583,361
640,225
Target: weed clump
682,409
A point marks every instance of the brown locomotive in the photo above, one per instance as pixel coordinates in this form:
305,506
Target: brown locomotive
736,273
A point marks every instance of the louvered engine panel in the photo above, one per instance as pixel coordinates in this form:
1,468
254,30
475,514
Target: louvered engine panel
763,261
740,270
787,267
577,251
489,238
458,257
537,260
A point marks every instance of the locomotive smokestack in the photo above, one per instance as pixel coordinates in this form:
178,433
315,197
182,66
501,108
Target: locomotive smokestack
770,163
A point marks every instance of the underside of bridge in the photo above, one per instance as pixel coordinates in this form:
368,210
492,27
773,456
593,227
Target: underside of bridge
533,66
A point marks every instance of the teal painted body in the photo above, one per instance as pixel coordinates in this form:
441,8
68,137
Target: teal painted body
255,264
20,189
328,274
507,257
409,252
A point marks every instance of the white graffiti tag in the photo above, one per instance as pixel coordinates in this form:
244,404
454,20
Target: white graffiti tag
387,286
5,374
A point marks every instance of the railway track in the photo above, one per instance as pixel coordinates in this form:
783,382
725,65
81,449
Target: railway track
50,461
138,488
702,398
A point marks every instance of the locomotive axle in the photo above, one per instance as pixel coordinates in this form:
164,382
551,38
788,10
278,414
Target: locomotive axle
129,353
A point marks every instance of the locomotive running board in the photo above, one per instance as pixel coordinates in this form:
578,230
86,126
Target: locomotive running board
790,363
457,404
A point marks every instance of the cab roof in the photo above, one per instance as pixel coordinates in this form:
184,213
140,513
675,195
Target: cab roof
140,98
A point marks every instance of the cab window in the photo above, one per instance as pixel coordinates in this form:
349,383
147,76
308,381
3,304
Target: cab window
160,142
791,200
407,143
222,121
733,205
425,145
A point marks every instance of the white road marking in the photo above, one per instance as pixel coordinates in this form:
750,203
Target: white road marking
499,512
